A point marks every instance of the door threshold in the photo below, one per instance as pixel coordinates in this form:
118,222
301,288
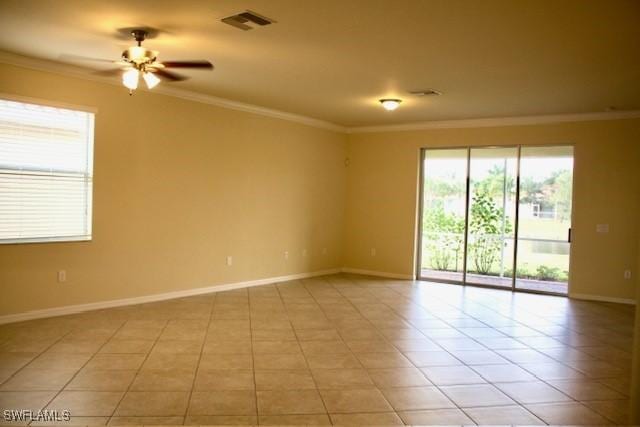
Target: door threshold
500,288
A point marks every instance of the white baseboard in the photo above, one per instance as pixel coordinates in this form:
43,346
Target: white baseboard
378,273
79,308
588,297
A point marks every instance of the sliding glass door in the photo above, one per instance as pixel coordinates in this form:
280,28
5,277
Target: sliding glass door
443,219
497,217
491,218
544,226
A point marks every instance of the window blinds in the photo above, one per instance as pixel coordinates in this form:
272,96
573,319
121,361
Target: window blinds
46,162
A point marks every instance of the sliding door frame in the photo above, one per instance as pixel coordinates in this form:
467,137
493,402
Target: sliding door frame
467,203
463,282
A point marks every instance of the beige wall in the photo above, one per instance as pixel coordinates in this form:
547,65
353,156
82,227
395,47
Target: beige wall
383,182
178,186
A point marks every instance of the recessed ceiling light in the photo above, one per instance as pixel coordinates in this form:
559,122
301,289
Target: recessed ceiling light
390,104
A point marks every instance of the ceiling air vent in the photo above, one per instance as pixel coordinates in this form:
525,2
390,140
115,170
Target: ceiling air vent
426,92
247,20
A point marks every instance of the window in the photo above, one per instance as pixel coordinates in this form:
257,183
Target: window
46,173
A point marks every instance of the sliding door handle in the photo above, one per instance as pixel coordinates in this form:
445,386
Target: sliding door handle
569,236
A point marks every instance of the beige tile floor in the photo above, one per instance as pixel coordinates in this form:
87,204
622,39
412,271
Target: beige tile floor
329,350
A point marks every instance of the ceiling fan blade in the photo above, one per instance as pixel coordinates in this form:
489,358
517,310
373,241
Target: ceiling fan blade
188,64
109,72
168,75
77,58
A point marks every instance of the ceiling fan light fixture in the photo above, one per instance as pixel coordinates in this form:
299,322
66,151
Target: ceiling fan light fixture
390,104
137,53
138,61
130,78
150,79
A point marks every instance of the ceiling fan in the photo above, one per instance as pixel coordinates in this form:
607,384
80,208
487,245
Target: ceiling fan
138,61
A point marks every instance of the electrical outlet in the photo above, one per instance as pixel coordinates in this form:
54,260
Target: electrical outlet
229,261
324,251
286,254
602,228
62,276
627,274
304,252
373,252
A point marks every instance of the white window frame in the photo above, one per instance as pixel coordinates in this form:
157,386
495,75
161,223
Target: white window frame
89,176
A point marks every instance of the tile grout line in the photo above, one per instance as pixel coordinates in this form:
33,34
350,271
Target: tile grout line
522,405
253,359
57,392
341,339
195,375
85,364
452,355
36,357
473,339
487,381
155,342
428,379
384,339
304,355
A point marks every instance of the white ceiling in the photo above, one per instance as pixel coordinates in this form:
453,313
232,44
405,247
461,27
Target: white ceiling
332,59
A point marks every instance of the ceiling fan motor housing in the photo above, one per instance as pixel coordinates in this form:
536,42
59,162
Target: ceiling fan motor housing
139,35
139,56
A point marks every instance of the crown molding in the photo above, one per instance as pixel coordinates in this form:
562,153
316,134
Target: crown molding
82,73
499,121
